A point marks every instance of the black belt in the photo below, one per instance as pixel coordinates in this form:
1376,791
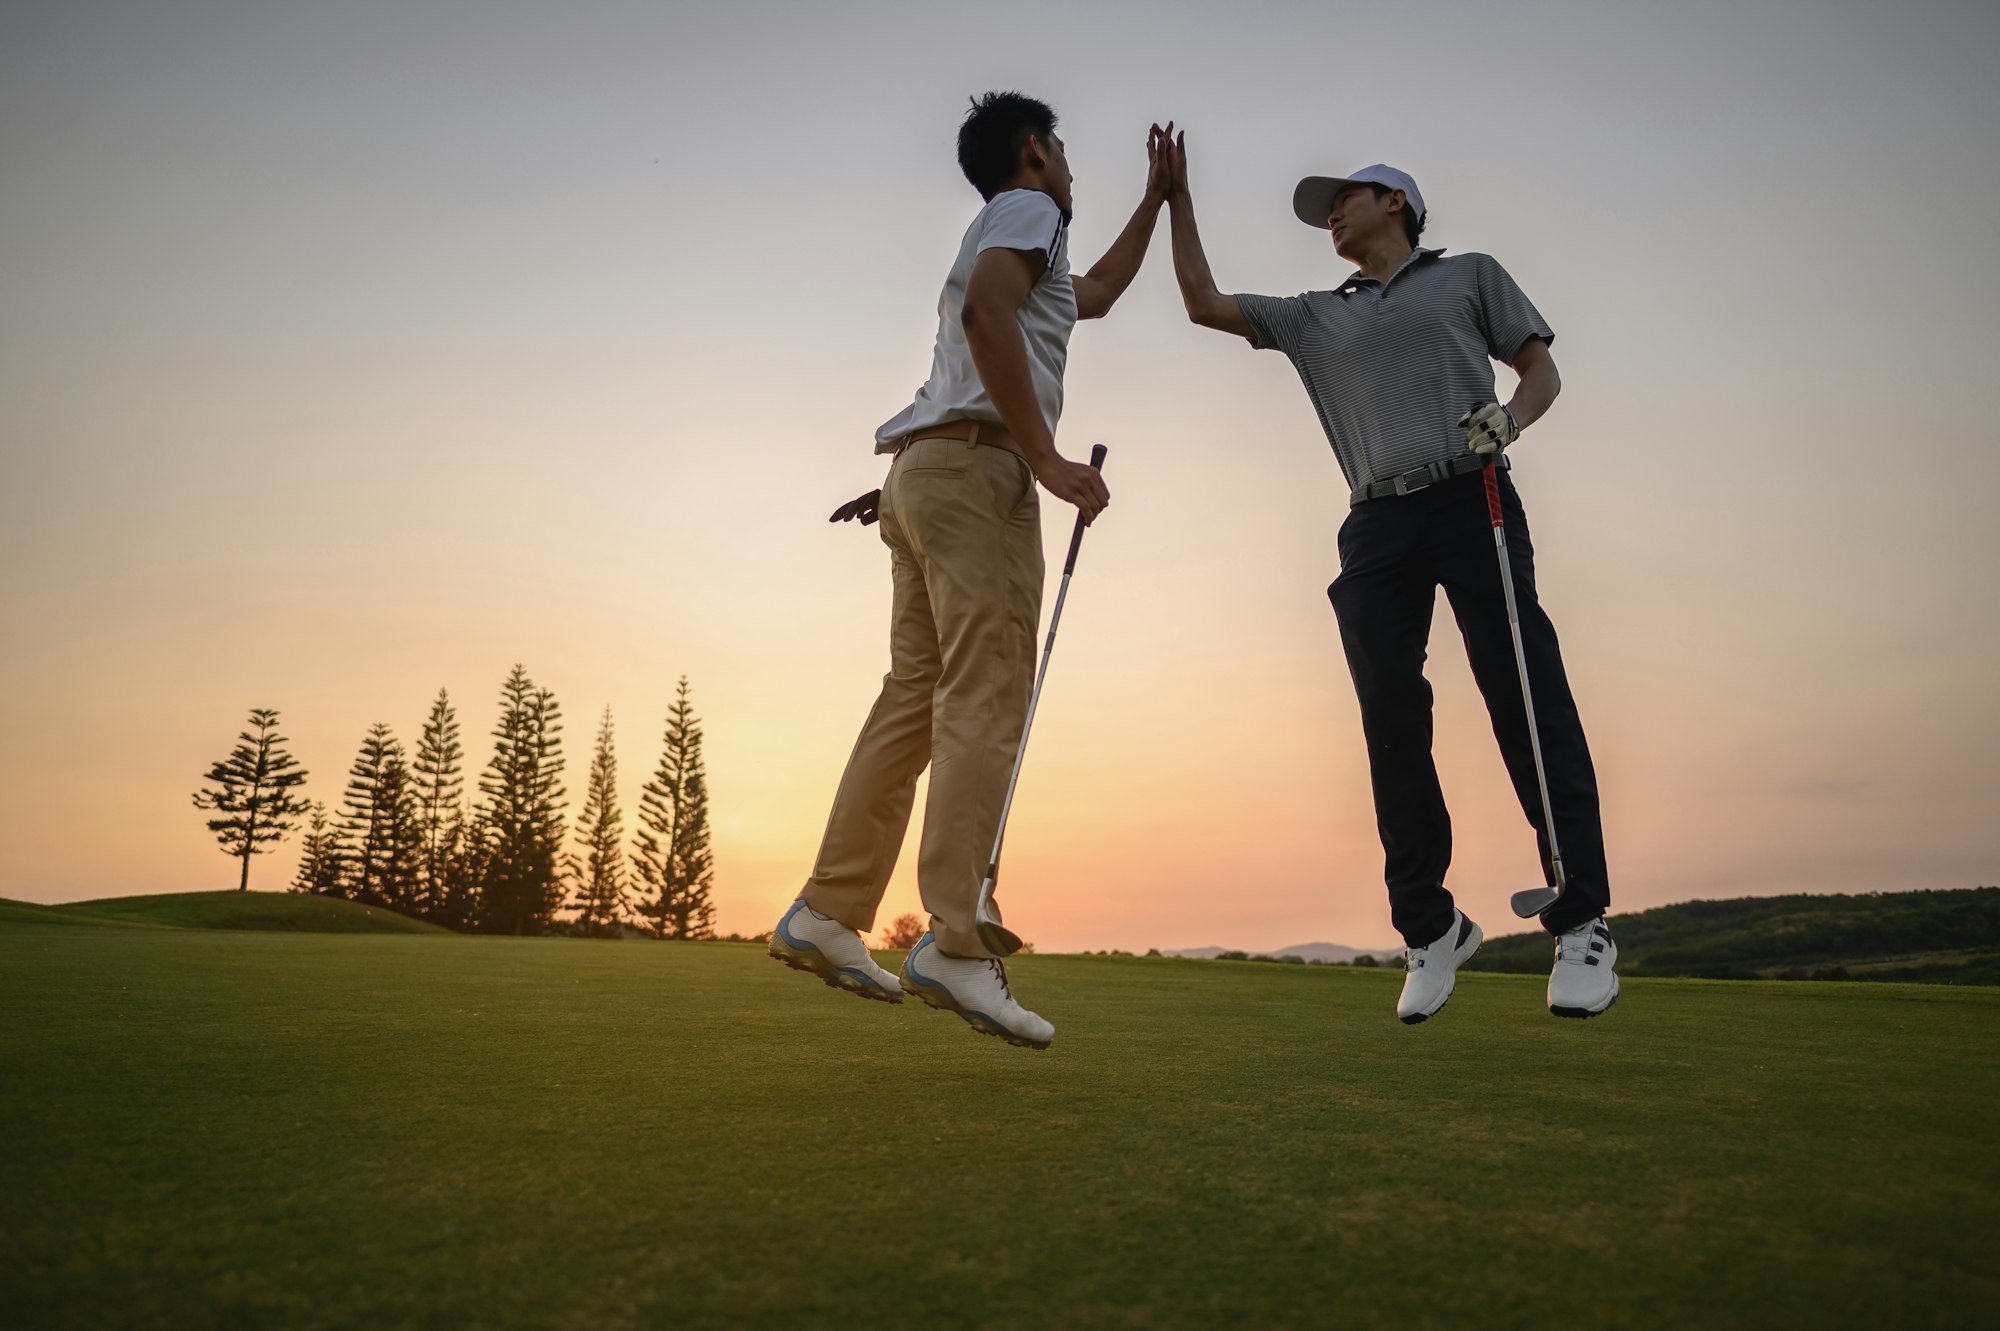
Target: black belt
1426,476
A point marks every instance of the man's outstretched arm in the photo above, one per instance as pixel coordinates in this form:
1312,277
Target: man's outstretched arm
1206,305
1099,289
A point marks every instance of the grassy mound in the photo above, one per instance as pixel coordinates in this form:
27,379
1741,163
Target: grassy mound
245,1129
27,913
291,912
1950,937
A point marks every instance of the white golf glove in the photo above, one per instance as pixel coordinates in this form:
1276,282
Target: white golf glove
1489,428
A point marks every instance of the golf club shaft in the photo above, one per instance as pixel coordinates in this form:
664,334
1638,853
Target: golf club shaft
1521,662
1041,673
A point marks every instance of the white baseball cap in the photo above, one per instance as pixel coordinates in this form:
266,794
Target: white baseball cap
1313,199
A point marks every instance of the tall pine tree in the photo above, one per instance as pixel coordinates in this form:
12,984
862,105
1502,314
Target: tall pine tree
255,791
380,827
673,859
465,873
522,822
321,856
439,785
403,873
598,892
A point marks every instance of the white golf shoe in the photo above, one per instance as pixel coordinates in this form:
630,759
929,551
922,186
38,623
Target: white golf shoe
808,941
1582,983
977,990
1433,970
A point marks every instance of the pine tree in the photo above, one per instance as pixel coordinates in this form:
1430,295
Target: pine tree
673,859
380,827
440,812
522,823
599,894
321,858
465,872
402,872
255,789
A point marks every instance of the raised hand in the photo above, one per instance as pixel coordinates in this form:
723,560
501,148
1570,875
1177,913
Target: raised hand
1177,168
1159,161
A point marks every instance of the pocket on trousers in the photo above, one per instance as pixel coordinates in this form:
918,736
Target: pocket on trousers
1027,474
1344,536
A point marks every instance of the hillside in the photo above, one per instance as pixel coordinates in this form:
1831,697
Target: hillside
1930,937
62,917
290,912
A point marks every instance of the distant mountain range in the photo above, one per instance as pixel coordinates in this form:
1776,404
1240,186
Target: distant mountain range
1325,954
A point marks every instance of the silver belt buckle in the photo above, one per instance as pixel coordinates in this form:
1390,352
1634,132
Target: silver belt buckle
1425,477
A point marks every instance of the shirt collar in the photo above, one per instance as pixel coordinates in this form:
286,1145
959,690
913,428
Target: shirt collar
1355,281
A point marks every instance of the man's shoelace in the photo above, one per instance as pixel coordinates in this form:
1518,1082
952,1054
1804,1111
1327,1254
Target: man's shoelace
1001,971
1574,948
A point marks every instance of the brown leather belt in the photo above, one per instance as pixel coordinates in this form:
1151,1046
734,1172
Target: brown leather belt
965,432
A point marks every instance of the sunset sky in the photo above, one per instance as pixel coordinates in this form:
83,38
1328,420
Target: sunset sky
353,350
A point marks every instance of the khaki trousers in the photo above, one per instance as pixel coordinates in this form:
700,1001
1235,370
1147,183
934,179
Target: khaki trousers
963,525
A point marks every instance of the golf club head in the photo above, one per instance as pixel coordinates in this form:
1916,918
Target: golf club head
1535,900
999,939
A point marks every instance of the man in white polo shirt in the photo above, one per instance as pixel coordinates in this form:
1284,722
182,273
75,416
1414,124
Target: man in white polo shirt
961,518
1392,358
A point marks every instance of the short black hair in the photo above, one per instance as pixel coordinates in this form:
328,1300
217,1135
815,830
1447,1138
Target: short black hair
1413,225
993,133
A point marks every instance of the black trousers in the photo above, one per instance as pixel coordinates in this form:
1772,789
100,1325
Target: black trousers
1394,555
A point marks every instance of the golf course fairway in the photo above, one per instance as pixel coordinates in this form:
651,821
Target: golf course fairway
236,1128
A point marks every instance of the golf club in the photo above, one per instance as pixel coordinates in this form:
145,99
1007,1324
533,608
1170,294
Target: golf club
1533,901
1000,940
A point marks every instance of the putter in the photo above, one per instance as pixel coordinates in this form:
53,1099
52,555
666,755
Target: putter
999,939
1533,901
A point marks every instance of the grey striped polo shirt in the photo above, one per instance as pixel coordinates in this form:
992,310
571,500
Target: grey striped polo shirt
1391,366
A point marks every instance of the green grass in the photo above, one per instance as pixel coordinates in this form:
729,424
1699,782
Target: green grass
262,911
241,1129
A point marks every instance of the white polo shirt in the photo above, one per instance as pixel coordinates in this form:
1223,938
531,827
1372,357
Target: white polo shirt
1020,219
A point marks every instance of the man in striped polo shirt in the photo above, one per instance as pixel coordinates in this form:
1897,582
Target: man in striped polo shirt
1391,357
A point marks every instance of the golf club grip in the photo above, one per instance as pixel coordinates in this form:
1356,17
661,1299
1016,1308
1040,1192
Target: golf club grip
1076,537
1491,471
